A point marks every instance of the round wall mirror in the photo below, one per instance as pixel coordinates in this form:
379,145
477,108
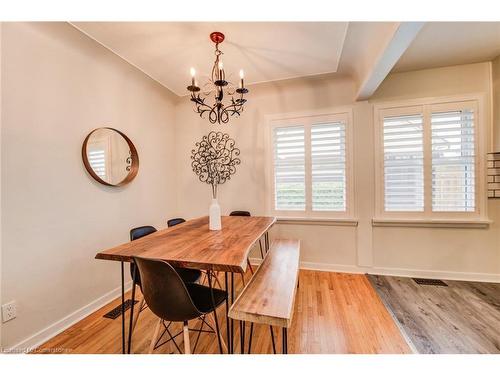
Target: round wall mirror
110,157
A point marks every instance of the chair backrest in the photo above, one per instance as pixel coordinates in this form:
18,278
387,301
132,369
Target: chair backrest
135,234
240,213
177,220
164,291
139,232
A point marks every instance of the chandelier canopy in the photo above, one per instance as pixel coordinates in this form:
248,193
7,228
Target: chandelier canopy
218,87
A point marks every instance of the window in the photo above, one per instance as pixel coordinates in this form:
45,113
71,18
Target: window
404,163
453,166
311,166
289,166
428,161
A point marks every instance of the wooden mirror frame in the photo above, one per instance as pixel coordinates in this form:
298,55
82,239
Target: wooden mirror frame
134,167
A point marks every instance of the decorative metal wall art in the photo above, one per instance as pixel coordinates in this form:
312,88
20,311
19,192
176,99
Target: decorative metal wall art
218,86
215,159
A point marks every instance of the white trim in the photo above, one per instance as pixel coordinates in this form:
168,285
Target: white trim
402,272
306,119
317,221
431,223
437,274
54,329
426,104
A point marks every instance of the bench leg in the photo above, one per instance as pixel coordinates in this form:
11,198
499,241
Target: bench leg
250,339
285,341
272,339
242,336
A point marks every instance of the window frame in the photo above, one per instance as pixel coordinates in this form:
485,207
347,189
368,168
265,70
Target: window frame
427,106
307,119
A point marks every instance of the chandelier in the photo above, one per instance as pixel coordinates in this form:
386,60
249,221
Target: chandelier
218,88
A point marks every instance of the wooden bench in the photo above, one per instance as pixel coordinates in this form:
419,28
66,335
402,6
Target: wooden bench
269,296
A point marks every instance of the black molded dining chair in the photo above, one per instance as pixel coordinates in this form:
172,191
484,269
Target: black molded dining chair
240,213
187,275
176,221
172,300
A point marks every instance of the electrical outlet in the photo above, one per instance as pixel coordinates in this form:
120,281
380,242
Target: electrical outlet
9,311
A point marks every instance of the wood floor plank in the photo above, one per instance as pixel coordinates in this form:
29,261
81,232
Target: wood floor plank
461,318
334,313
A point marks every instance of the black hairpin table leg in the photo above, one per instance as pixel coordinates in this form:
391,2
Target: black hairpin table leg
285,341
134,277
229,345
209,277
272,339
231,350
123,309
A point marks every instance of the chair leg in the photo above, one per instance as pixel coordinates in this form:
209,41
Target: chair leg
136,317
250,266
215,274
155,336
261,252
187,346
212,323
243,279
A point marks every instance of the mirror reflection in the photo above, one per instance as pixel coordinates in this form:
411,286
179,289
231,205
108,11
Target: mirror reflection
109,156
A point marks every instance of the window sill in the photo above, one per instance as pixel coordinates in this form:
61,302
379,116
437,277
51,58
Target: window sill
430,223
317,221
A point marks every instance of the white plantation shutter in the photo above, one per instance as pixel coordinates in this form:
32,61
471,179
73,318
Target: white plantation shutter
328,167
403,163
453,167
289,168
97,160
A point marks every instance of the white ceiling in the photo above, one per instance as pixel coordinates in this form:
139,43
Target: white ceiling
451,43
272,51
267,51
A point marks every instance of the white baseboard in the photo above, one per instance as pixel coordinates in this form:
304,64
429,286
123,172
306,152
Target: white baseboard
437,274
434,274
54,329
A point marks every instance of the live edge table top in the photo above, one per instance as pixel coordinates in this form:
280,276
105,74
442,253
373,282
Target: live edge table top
193,245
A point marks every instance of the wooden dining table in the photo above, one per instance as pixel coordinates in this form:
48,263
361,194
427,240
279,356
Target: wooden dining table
193,245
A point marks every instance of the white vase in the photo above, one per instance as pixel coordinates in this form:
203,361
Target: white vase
214,216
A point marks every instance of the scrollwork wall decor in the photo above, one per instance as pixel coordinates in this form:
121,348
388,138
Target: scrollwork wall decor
215,159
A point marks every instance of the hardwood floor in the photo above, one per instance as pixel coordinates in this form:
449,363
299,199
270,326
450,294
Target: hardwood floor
334,313
461,318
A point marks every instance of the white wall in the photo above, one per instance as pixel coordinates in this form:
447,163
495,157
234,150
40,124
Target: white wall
495,71
58,85
461,253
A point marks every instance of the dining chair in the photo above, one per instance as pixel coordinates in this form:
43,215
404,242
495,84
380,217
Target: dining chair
172,300
175,221
187,275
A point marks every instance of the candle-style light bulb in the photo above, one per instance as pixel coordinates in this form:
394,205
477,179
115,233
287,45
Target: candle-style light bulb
193,73
242,74
221,71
